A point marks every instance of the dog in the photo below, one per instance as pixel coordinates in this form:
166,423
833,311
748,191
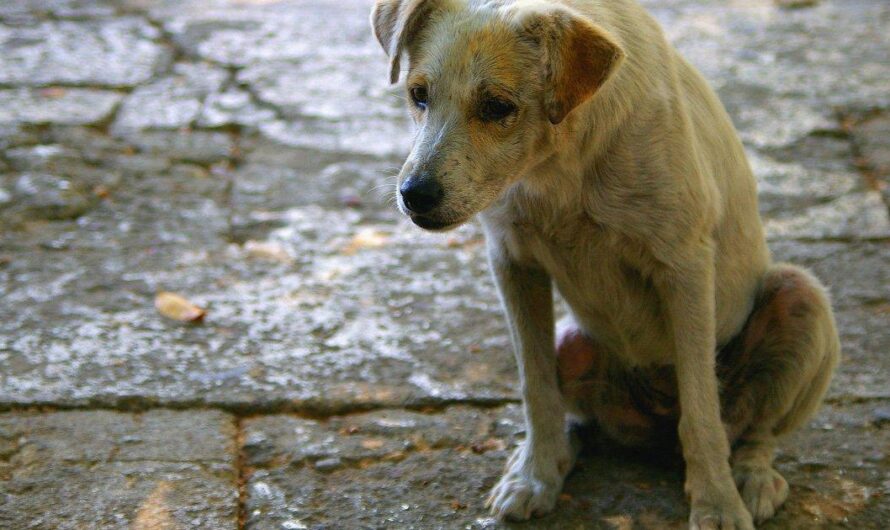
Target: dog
600,162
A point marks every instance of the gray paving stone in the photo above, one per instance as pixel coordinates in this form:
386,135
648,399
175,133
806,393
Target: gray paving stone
323,88
45,196
63,106
106,436
27,11
414,470
339,325
99,469
172,102
382,138
118,52
241,34
233,107
857,215
872,137
345,313
758,44
201,147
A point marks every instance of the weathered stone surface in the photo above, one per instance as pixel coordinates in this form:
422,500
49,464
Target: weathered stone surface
241,34
872,138
233,107
327,89
97,469
344,323
831,52
45,196
172,102
808,173
117,52
27,11
381,138
413,470
63,106
853,216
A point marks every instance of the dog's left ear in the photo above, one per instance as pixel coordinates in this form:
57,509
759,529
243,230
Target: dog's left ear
578,56
395,23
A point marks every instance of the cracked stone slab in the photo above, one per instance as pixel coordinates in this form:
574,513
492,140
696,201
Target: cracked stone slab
120,52
872,137
433,470
233,107
62,106
171,102
795,181
353,136
329,88
313,307
337,324
236,33
52,182
103,469
831,52
854,216
28,11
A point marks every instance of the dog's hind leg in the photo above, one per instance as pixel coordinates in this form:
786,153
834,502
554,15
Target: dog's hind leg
636,407
773,377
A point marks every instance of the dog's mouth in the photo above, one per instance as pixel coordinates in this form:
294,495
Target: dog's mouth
431,224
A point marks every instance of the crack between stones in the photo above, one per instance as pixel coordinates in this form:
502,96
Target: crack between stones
246,410
863,165
242,473
257,100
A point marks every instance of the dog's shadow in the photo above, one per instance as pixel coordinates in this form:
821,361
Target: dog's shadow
617,488
613,486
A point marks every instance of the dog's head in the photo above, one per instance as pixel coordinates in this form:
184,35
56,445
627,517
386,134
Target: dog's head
488,84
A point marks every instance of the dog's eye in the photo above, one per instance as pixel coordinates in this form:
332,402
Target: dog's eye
419,96
496,109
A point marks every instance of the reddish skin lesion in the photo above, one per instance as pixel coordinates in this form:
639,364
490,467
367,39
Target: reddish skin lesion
622,402
575,355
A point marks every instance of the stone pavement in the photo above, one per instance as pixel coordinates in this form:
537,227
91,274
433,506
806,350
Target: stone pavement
353,372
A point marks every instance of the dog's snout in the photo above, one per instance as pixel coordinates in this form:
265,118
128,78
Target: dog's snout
421,193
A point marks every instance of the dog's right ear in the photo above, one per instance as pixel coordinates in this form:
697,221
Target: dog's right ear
395,23
577,56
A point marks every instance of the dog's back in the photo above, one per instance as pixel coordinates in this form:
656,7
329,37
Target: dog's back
660,160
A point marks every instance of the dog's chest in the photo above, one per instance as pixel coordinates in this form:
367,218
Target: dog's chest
599,275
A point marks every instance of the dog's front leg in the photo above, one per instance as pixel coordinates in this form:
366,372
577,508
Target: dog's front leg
687,290
535,473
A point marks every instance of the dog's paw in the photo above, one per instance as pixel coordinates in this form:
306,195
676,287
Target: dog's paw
762,488
728,514
530,485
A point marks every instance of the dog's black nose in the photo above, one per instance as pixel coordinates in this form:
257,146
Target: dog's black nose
421,193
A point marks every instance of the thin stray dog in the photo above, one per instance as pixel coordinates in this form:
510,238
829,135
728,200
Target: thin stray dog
600,161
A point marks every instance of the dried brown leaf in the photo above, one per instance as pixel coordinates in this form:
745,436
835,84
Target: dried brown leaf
176,307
